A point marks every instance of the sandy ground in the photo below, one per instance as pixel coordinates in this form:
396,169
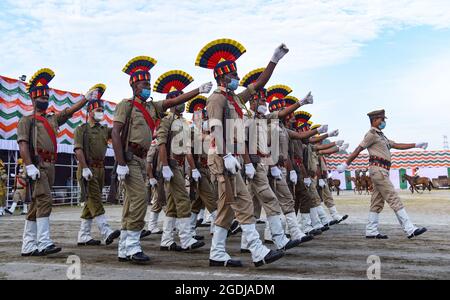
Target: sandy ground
340,253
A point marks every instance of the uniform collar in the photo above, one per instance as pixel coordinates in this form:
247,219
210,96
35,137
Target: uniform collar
377,130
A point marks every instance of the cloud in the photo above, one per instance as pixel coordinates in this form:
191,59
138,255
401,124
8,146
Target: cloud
89,41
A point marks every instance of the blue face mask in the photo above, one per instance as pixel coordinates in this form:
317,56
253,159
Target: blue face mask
234,84
145,94
383,125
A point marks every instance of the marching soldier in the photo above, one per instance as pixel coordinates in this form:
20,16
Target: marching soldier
302,198
19,191
310,162
324,188
283,166
260,160
3,189
174,141
90,145
204,193
379,147
158,195
224,106
36,136
135,122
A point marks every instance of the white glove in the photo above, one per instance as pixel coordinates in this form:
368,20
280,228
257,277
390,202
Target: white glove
293,177
276,173
424,146
122,172
334,133
279,53
339,143
322,129
33,172
167,173
342,167
231,163
322,183
309,99
87,174
153,182
92,95
250,171
344,147
205,88
307,181
196,175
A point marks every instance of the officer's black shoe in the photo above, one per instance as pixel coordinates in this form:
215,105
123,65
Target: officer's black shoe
288,236
343,219
173,247
271,257
245,251
33,253
195,246
112,237
334,222
199,223
123,259
8,212
23,214
144,233
139,258
306,238
377,237
52,249
325,228
199,237
418,232
235,228
270,242
315,232
291,244
230,263
91,243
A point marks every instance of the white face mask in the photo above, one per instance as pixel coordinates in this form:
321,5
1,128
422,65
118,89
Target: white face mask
262,109
98,116
205,126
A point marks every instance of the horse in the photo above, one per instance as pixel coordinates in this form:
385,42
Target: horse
334,183
423,182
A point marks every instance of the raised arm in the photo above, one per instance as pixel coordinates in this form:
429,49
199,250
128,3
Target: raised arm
183,98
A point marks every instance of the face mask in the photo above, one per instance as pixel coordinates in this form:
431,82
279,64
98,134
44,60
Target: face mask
234,84
383,125
40,105
205,126
145,94
98,116
262,109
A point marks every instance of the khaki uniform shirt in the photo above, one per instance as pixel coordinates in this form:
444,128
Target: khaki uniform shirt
215,107
377,144
139,132
178,130
44,141
97,139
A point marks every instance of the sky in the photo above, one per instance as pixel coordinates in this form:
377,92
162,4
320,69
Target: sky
355,56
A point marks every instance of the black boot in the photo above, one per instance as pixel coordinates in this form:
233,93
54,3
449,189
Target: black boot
52,249
139,259
306,238
271,257
195,246
112,237
377,237
144,233
230,263
91,243
418,232
291,244
172,247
